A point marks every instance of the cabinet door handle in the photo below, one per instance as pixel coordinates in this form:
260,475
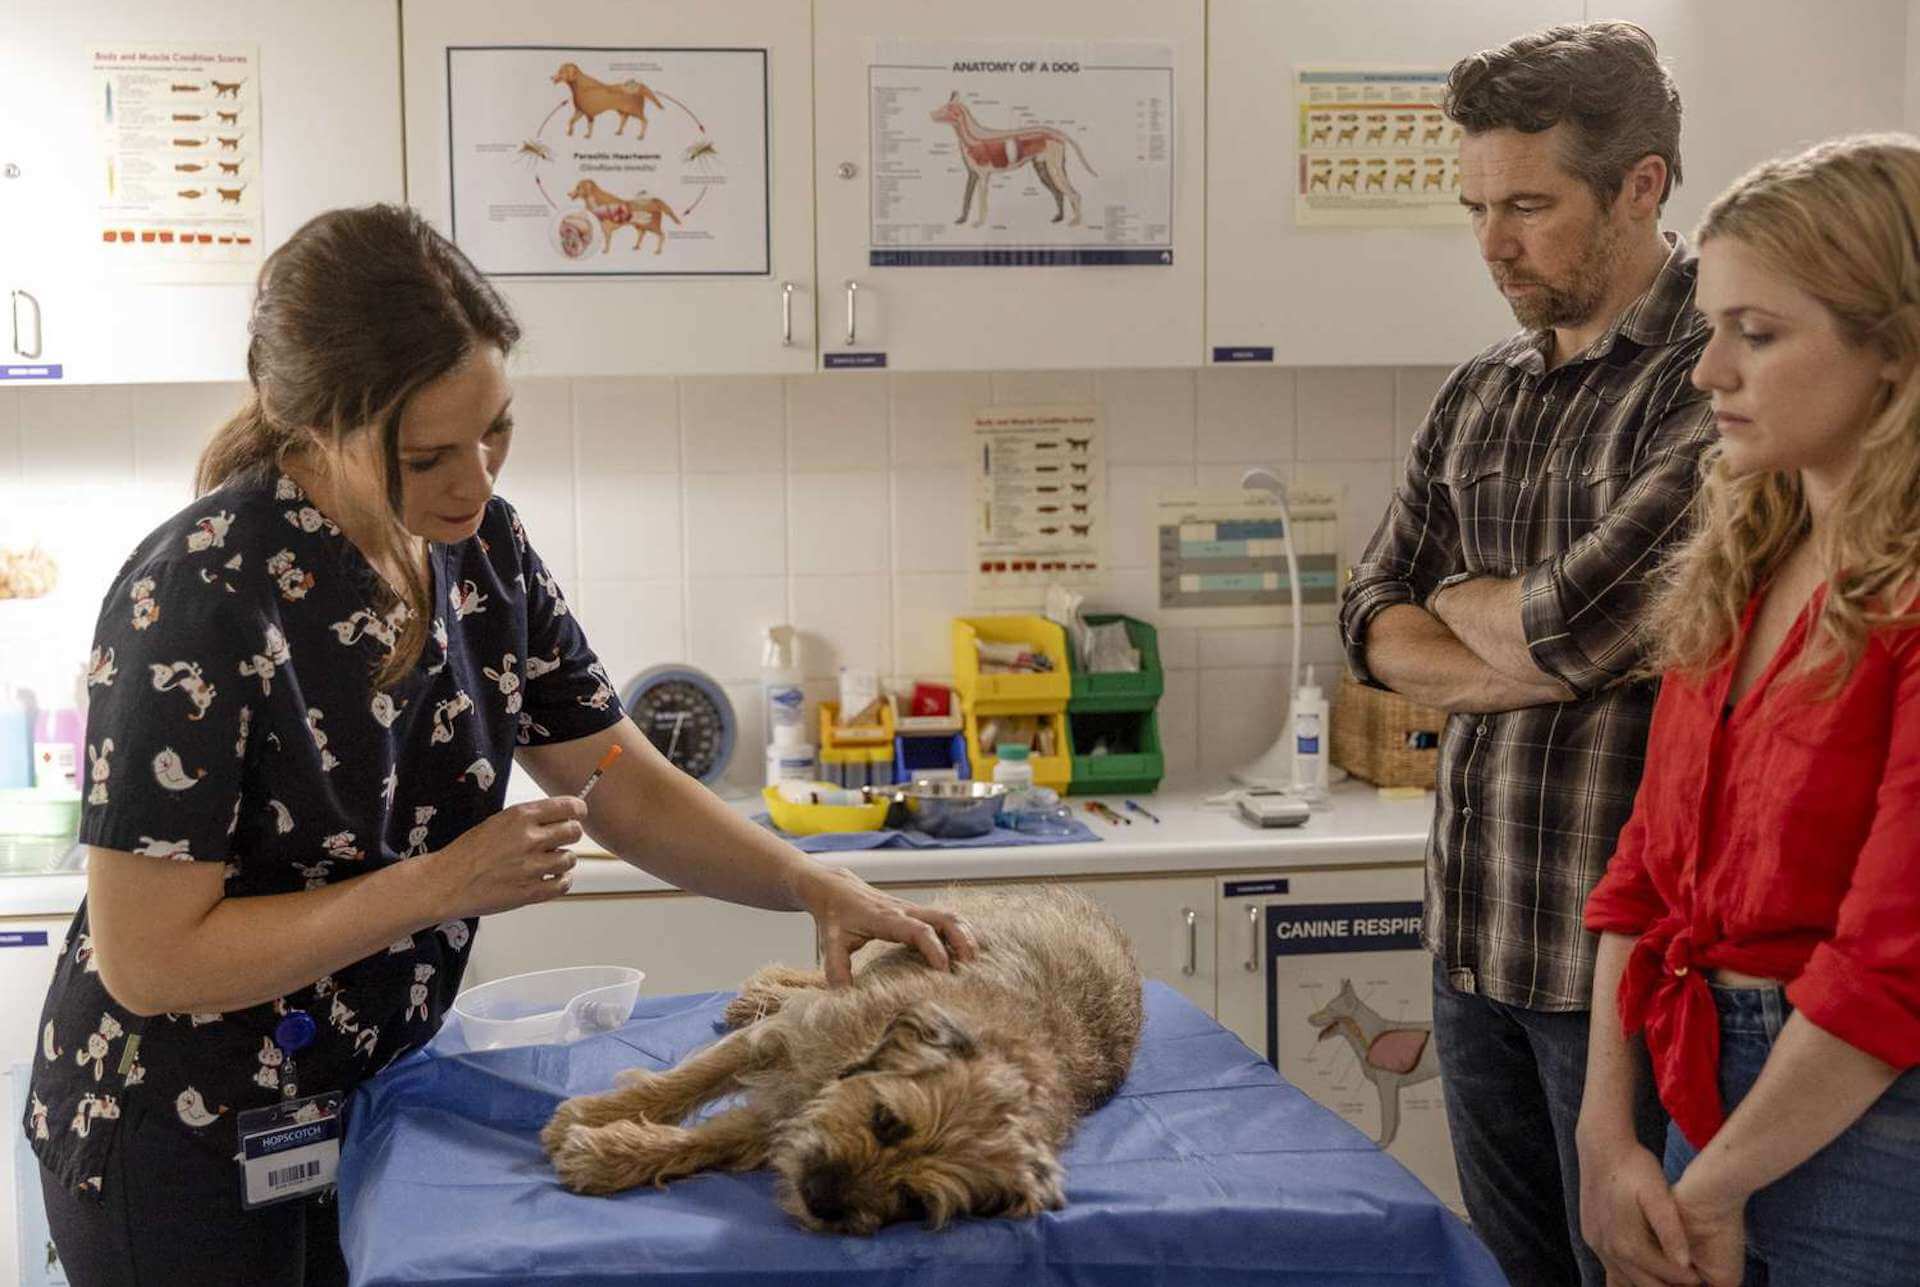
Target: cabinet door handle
1193,940
786,315
1253,938
853,331
17,297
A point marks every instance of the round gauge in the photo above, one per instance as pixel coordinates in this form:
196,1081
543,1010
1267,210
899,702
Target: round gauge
686,715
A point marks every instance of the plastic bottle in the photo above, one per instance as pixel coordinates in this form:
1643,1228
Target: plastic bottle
1013,768
59,734
16,738
788,757
1310,740
780,677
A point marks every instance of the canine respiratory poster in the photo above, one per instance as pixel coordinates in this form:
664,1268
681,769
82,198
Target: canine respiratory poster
1015,153
586,162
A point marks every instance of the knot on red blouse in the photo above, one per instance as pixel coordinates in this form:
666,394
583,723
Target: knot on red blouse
1664,993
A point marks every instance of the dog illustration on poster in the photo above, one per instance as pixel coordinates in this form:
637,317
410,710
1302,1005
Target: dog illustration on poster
1392,1055
988,152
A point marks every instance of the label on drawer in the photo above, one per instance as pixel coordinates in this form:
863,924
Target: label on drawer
23,938
38,371
1251,888
853,361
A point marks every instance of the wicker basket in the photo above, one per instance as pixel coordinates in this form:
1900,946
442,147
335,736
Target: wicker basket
1383,738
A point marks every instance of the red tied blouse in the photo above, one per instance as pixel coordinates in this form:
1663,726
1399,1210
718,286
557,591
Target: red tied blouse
1782,841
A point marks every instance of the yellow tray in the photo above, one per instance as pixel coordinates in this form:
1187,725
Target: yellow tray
814,819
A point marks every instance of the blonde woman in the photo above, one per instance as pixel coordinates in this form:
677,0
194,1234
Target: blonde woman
1760,919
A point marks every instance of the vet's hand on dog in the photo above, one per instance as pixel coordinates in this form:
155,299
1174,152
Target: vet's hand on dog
849,913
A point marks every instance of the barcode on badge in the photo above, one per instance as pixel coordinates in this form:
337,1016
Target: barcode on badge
286,1175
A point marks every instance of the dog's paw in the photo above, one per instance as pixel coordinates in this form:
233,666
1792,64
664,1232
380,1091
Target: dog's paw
581,1110
618,1156
640,1079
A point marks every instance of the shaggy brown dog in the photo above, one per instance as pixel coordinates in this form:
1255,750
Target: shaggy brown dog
912,1095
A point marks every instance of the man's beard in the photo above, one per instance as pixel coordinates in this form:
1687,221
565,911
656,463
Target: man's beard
1574,301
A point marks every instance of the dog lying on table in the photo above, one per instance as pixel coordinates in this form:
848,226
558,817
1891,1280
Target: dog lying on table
912,1095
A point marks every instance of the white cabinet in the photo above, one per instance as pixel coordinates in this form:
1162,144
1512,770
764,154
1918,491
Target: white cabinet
1322,973
1323,296
1169,920
29,948
606,321
1002,318
684,944
330,124
1782,76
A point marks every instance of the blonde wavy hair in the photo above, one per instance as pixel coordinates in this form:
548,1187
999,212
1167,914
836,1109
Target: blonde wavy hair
1840,222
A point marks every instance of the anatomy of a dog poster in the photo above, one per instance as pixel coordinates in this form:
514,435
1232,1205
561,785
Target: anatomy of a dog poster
179,160
1040,501
584,162
1350,1018
1375,150
1018,153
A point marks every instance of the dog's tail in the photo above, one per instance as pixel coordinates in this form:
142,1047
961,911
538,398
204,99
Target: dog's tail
1074,144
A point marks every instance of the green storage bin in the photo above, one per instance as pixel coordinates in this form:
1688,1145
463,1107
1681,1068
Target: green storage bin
1134,772
1135,691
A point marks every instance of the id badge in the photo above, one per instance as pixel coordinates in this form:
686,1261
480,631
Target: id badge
289,1150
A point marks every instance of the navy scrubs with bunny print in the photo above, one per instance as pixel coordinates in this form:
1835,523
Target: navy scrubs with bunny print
234,720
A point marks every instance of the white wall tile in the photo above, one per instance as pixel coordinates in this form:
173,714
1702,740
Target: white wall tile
1179,647
1247,647
172,423
634,624
1133,540
9,435
924,606
932,416
1151,416
1241,713
846,621
1134,591
627,425
746,773
837,523
1414,388
76,436
1021,388
736,524
734,424
1245,415
630,526
728,619
1345,413
1229,475
932,520
836,424
1179,715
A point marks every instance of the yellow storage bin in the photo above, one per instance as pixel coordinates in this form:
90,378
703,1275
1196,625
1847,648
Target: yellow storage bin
814,819
856,757
1022,694
1048,770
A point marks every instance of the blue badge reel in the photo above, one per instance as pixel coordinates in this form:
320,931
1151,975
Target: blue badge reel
293,1148
687,716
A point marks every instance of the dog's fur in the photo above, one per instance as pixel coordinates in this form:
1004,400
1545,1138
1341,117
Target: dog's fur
591,97
913,1094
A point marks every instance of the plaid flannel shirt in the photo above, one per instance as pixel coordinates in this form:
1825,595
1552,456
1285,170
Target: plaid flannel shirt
1577,480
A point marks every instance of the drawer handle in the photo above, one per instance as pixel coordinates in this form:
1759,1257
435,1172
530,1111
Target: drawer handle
786,315
1253,939
17,297
852,330
1193,941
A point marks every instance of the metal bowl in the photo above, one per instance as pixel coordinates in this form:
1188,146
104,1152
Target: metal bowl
954,810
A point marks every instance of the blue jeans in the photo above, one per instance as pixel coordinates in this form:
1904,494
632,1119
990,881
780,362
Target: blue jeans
1513,1080
1850,1214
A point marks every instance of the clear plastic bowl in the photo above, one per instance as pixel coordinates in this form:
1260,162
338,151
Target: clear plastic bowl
547,1007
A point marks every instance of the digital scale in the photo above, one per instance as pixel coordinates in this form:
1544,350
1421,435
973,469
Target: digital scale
1270,808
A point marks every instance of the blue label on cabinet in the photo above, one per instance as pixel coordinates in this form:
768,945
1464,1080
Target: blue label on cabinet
1301,929
855,361
1019,257
23,938
1249,888
38,371
1244,353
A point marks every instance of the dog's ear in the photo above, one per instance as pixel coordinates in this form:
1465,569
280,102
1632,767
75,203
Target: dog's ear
926,1024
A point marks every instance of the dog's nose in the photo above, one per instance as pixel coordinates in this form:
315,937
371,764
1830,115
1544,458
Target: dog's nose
824,1190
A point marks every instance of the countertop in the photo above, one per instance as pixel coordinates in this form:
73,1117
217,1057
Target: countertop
1359,828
